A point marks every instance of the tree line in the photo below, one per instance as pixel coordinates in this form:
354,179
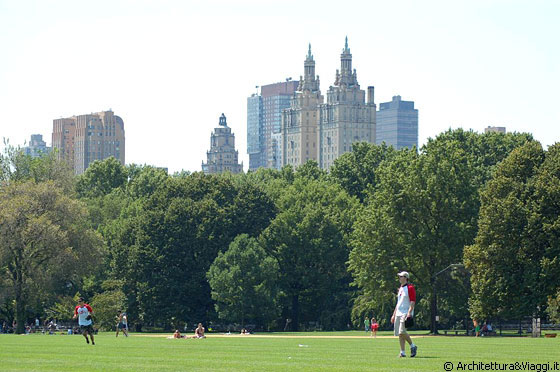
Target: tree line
288,247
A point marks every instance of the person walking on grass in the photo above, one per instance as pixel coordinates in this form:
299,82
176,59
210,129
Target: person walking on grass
403,311
374,327
84,312
122,323
367,325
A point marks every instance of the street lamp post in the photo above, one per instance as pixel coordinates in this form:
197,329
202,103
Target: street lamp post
433,306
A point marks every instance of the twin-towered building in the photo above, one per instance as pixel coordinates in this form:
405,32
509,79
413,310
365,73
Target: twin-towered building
312,129
315,130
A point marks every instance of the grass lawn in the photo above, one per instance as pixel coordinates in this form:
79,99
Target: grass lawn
286,352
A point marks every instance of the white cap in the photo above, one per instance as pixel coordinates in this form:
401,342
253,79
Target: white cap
404,273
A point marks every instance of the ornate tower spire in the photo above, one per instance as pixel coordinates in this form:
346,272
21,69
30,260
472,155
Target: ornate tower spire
223,121
346,77
309,81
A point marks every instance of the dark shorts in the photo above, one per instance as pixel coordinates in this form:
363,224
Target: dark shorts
122,326
87,329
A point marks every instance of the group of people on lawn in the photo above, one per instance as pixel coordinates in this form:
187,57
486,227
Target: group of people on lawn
402,318
486,329
198,333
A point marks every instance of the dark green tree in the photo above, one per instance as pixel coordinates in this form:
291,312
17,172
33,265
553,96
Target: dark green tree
243,281
423,211
355,171
102,177
514,260
166,242
309,239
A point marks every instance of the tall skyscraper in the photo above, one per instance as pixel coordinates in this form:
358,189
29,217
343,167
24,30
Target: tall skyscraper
82,139
264,119
222,156
299,122
37,147
255,132
346,117
397,124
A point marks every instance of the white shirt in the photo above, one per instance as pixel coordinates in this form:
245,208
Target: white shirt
403,303
83,312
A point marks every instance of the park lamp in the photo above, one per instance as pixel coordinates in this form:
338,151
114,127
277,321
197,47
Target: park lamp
448,267
435,317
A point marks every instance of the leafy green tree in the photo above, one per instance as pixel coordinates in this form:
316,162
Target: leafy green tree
63,309
553,308
243,281
166,242
143,181
309,239
422,213
273,182
101,177
310,170
107,305
43,234
514,260
546,210
355,171
15,166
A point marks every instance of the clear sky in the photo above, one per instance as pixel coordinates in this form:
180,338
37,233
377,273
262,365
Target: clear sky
170,68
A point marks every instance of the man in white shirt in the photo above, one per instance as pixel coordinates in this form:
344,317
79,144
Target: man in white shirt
84,312
404,310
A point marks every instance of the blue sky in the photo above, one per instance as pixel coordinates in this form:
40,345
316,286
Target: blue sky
170,68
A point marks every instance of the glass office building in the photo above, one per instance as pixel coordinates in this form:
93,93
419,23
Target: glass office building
397,124
255,133
264,118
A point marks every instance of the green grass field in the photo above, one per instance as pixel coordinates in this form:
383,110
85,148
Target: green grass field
284,352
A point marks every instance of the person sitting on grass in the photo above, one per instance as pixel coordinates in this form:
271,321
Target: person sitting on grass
199,331
484,331
177,334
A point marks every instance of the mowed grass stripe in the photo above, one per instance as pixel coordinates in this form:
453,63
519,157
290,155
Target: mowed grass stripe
68,353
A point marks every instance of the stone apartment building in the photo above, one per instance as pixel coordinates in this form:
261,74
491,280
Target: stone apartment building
83,139
300,121
346,117
222,156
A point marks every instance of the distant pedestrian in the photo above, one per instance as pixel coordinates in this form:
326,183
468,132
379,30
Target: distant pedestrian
122,323
367,325
374,327
476,328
